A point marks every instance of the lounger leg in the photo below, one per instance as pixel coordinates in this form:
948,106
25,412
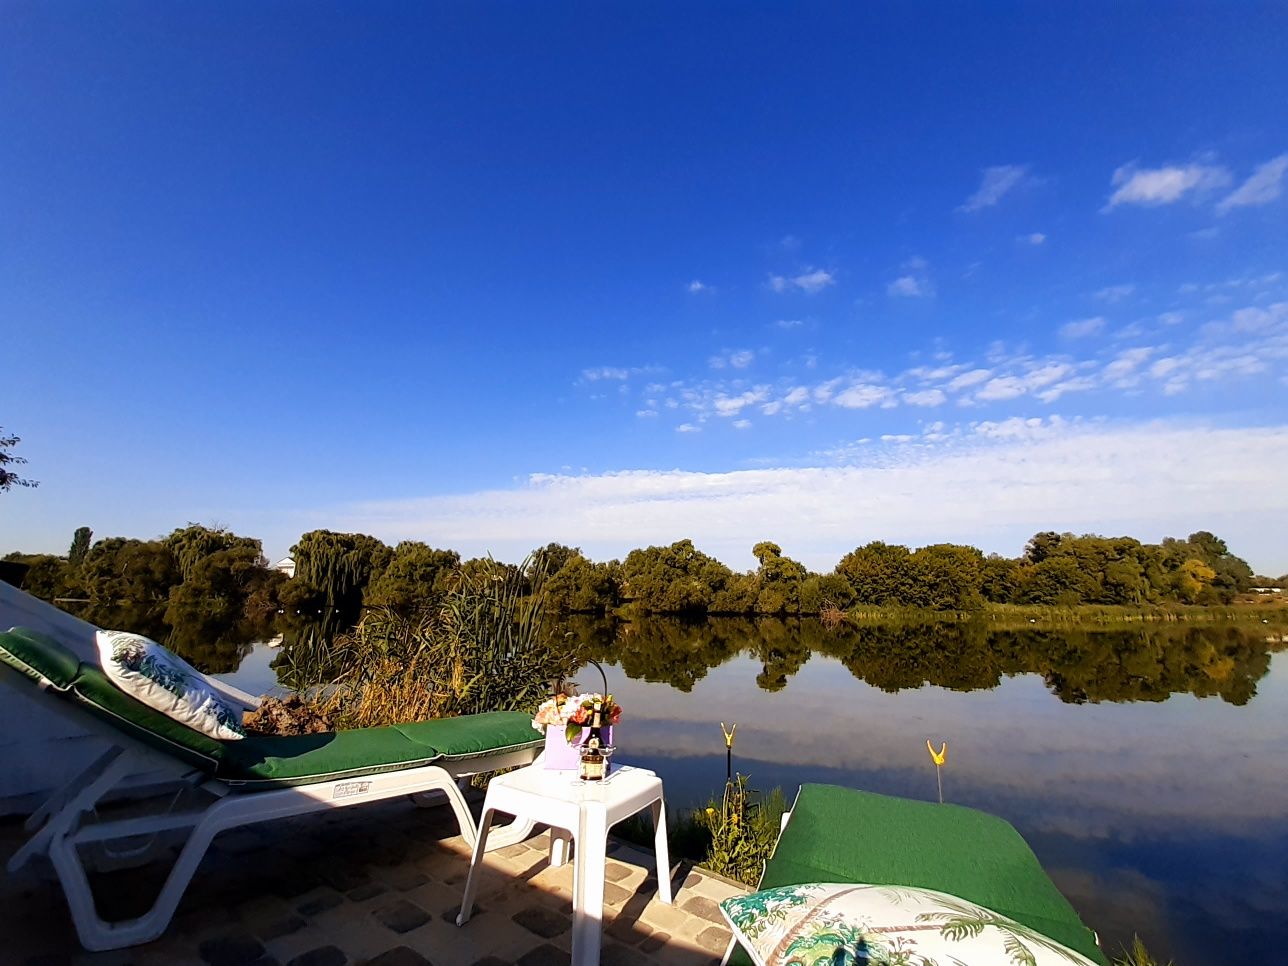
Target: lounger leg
97,934
67,818
476,862
661,851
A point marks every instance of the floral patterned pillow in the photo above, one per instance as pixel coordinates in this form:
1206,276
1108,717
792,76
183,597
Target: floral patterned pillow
826,924
149,673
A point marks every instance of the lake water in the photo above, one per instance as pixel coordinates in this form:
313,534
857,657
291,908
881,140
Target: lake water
1148,770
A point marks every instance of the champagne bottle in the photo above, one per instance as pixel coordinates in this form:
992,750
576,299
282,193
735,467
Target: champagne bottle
592,754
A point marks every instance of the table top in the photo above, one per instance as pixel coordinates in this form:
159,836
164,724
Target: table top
623,782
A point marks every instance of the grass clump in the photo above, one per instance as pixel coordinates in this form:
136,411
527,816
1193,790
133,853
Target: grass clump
481,645
1138,955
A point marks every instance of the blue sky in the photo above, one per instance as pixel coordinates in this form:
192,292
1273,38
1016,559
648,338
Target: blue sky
491,275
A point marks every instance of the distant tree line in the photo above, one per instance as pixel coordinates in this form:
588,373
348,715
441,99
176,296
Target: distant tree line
201,579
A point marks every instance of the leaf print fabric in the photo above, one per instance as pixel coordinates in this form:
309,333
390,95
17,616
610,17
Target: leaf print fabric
831,924
146,671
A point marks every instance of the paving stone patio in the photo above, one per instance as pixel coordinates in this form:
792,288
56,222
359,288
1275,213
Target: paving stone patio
377,885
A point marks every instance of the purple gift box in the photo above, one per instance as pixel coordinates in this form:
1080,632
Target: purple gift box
560,755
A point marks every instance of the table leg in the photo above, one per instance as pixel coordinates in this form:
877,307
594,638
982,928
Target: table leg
661,851
476,862
588,892
560,846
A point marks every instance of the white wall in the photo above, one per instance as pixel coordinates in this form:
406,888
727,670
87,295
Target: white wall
39,750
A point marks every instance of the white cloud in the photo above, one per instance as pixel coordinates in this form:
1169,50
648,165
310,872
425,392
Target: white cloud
862,396
1002,388
698,286
968,379
605,372
995,183
1165,185
1262,187
926,397
916,283
1149,480
1034,238
811,281
1082,328
1115,293
733,405
905,285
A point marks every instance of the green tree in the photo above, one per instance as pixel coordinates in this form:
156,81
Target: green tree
879,573
333,571
81,540
9,478
415,574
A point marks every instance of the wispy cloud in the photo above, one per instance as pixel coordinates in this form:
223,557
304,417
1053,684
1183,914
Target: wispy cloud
916,283
1163,186
811,281
1083,328
995,183
605,372
1115,293
738,359
1262,187
992,484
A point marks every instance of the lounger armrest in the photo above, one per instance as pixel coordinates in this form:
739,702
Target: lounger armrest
248,701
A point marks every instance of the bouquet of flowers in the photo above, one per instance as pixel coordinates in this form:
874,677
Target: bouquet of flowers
575,712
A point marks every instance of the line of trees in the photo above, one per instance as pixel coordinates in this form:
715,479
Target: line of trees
204,578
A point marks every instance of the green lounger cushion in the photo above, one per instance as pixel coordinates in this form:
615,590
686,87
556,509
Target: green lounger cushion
264,761
845,835
39,656
259,761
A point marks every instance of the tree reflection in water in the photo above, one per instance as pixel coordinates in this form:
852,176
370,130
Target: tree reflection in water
1149,664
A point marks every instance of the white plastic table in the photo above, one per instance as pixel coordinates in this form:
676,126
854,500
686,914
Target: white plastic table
584,813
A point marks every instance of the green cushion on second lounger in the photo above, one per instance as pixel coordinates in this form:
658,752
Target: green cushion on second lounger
39,656
260,761
844,835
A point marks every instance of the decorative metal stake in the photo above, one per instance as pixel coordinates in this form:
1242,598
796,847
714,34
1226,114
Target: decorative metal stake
938,757
728,737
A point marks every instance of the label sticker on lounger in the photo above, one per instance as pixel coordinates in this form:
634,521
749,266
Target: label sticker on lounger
346,789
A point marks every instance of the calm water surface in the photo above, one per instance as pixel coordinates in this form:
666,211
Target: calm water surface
1155,810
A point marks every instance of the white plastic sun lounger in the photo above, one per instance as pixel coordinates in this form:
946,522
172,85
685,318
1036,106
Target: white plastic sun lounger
256,779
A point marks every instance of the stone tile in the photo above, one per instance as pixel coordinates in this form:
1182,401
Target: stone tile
320,902
544,955
401,916
344,878
654,942
628,929
615,895
322,956
231,950
714,939
283,926
544,922
399,956
368,891
703,908
616,871
406,877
